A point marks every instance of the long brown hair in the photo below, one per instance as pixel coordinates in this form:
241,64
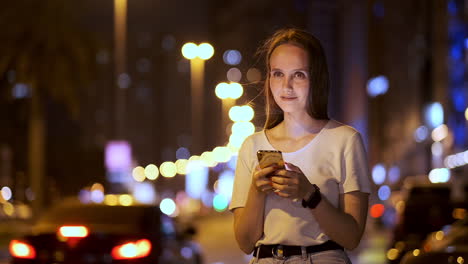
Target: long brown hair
317,103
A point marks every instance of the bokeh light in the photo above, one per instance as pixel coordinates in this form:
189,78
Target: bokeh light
434,115
384,192
241,113
138,174
181,165
378,174
167,206
377,210
234,75
421,134
205,51
151,172
125,199
220,203
254,75
439,175
439,133
232,57
190,50
6,193
168,169
377,86
222,90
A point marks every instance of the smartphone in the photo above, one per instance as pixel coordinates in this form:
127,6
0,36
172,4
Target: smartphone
270,157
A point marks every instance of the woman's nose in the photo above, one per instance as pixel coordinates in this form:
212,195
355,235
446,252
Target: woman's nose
288,82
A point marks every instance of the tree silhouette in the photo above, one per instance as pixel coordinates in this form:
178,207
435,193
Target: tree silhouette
42,46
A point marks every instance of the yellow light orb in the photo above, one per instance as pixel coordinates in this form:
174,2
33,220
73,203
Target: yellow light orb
168,169
208,158
466,113
236,140
138,174
190,50
416,252
235,90
247,113
97,187
111,199
126,200
8,209
235,113
151,172
221,154
243,128
222,90
181,165
392,254
205,51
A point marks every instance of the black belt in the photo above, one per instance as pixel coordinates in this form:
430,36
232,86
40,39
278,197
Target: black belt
284,251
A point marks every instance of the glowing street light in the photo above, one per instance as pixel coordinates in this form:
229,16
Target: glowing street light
197,54
228,93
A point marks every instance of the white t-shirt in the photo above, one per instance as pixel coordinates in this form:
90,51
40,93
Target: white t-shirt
335,160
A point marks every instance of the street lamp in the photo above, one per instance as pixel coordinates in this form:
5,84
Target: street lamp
197,54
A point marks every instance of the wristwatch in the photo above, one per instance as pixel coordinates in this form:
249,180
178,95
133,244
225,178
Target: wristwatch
314,198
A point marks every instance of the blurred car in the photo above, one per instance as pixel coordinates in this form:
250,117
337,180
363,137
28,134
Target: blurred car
73,232
425,207
449,245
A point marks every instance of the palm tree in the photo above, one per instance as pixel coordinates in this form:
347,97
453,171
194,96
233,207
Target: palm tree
42,44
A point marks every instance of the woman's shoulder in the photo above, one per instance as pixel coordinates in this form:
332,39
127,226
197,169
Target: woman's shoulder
338,129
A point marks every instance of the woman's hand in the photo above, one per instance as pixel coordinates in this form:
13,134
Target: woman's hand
261,179
291,182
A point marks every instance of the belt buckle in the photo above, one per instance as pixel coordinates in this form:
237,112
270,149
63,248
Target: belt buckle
278,252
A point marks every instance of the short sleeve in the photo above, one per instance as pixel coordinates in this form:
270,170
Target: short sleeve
355,168
243,175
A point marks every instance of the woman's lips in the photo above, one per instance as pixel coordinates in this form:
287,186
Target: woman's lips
288,98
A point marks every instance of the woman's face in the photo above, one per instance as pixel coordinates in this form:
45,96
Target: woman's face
289,77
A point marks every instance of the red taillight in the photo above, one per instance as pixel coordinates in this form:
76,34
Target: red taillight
23,250
73,231
131,250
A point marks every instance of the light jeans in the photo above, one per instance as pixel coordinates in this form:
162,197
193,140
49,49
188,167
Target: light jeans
323,257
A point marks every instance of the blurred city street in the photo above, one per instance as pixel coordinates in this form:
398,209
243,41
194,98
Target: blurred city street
144,105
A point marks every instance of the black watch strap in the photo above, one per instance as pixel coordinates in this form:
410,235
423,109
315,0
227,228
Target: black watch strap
314,199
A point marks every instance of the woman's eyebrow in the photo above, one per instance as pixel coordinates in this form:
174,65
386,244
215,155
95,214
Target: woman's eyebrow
299,69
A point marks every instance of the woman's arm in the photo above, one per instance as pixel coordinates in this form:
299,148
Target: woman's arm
248,220
344,225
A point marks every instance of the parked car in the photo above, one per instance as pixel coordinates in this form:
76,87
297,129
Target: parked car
444,246
74,232
427,207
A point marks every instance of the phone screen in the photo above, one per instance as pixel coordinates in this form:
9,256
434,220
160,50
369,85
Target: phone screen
270,157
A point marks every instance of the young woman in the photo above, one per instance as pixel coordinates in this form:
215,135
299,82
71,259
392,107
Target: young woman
315,206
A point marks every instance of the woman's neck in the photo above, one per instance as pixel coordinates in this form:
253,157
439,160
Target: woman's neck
297,126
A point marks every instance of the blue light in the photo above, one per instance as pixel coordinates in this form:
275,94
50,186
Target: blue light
459,100
456,52
377,86
232,57
196,180
452,7
421,134
384,192
460,134
378,174
466,43
379,9
226,183
434,115
393,174
21,90
144,192
232,162
182,153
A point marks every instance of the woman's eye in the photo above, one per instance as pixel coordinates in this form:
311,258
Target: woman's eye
277,74
300,75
